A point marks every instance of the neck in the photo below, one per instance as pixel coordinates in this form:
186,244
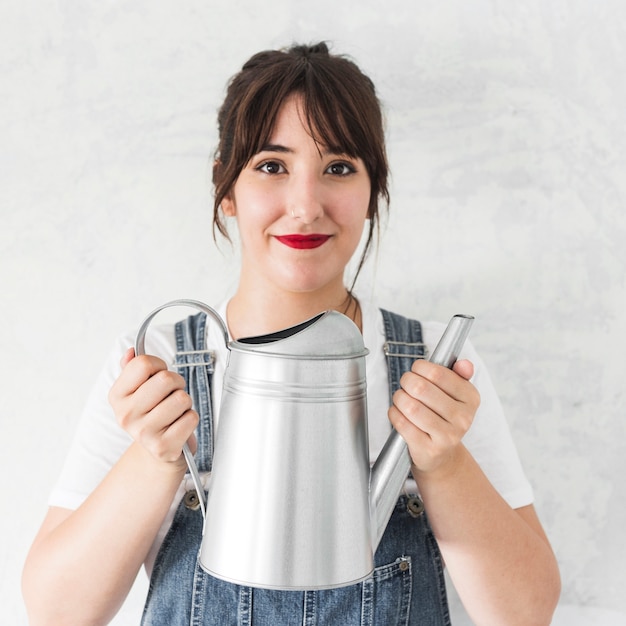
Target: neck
250,314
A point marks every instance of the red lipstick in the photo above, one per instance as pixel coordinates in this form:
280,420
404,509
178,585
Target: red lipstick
303,242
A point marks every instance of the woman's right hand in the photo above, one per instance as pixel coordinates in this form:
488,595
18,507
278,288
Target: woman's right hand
152,406
116,525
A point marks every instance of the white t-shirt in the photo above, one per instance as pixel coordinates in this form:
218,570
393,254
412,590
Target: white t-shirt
99,442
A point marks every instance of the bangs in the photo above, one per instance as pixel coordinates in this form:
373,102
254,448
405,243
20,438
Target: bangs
330,108
332,121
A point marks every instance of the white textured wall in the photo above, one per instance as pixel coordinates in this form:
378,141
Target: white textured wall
507,141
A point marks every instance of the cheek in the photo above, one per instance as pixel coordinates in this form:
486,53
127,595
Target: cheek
355,211
258,205
361,199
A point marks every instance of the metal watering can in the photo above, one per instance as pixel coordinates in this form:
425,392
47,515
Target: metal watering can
292,502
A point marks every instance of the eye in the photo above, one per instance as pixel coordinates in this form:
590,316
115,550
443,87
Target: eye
340,168
271,167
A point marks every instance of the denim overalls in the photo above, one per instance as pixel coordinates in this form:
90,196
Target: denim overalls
407,586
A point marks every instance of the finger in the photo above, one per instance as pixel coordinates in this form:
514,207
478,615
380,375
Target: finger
448,380
420,391
165,427
127,357
136,372
168,410
167,444
139,389
406,428
164,390
464,368
192,442
427,418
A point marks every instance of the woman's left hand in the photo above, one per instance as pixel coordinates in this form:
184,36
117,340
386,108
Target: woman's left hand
432,411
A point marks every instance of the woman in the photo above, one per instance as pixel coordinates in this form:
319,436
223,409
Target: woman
300,168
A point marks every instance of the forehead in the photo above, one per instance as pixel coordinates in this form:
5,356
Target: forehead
291,116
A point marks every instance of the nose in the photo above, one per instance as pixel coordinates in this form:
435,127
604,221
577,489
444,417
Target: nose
305,202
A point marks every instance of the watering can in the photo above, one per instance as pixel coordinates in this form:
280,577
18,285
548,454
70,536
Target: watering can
293,503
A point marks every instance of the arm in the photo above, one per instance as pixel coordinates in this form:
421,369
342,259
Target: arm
83,563
499,558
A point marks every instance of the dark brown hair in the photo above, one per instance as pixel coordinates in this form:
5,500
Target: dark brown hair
341,108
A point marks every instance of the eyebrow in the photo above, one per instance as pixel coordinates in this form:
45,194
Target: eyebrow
274,147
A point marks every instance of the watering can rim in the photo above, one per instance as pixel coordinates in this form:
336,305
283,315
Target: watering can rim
264,345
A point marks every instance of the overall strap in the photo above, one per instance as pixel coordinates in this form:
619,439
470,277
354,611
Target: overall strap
402,346
196,365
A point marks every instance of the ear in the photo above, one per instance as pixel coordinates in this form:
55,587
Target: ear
228,206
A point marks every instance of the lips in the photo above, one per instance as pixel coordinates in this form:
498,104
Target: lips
303,242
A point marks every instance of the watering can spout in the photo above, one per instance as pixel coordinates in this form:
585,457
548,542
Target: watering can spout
393,464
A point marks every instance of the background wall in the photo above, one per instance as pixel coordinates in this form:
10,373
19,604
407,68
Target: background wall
507,145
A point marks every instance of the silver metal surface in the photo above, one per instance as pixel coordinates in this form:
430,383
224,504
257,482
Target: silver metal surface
288,506
195,304
292,504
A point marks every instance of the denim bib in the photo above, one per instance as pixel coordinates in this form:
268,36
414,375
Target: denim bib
406,588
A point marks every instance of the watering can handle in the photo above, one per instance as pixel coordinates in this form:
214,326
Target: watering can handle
196,304
394,463
140,348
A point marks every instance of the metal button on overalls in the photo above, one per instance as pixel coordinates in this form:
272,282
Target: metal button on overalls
191,500
415,507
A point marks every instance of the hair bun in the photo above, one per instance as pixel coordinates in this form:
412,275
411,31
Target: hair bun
308,50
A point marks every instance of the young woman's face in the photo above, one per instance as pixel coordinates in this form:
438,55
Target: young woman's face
300,208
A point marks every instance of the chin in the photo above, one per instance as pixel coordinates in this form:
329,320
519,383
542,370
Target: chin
300,285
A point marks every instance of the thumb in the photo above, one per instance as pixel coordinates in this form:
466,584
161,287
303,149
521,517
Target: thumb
464,368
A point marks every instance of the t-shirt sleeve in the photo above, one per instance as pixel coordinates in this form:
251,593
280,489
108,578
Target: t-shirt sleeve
489,438
99,441
490,442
